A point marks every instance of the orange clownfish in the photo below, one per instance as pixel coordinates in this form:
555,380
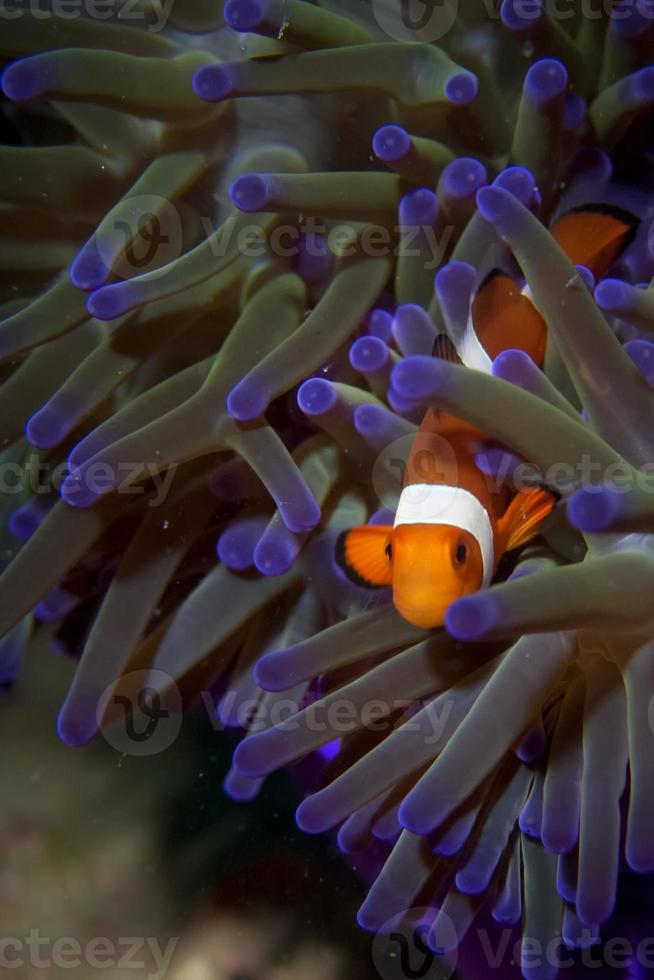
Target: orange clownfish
450,528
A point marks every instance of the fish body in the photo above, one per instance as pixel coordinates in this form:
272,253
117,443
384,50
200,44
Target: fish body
451,527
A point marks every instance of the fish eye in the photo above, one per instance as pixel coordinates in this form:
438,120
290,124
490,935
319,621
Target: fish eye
388,551
461,554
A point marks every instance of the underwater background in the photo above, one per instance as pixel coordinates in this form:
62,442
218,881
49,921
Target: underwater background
229,239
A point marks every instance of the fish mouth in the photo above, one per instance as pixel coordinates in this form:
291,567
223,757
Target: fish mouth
424,617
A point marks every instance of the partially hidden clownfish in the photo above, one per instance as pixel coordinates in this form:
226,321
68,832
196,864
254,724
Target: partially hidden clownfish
451,529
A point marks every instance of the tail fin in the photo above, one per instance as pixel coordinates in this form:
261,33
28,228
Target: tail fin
523,517
594,235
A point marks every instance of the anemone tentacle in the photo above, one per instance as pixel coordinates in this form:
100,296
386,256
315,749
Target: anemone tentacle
229,250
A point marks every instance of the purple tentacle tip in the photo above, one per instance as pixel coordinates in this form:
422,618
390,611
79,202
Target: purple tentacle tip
368,419
247,757
88,270
267,674
518,15
515,366
73,731
380,324
300,515
419,208
235,546
518,181
330,751
369,354
276,552
55,605
641,84
546,79
412,816
593,509
245,15
365,920
46,428
108,302
522,571
29,78
612,294
252,192
532,745
497,206
213,83
463,177
75,492
586,277
471,617
496,461
383,516
462,88
240,788
24,521
417,377
391,143
399,404
316,396
307,817
246,401
454,285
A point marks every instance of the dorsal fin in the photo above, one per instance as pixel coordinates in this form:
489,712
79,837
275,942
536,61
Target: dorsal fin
445,349
503,317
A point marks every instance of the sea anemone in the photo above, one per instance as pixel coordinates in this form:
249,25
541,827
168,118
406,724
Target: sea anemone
218,316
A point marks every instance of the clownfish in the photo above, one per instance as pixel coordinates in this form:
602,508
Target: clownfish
451,529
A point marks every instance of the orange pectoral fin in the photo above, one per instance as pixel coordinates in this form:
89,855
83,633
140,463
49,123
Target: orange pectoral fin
505,318
594,235
361,553
523,517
